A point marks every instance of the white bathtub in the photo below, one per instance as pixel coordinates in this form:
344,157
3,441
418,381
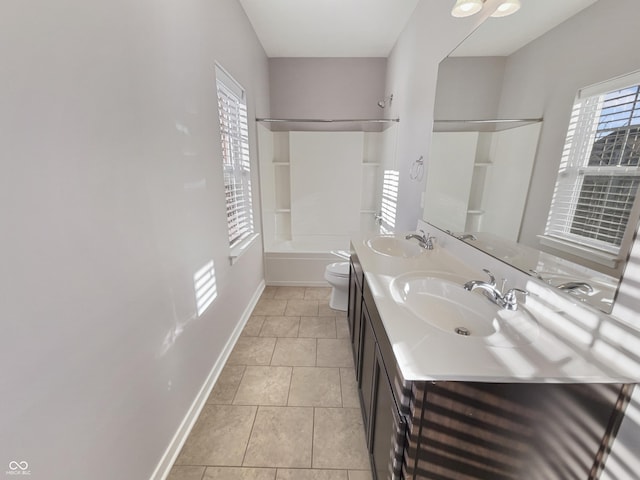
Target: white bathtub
302,261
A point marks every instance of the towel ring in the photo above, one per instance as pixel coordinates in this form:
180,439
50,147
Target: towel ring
416,170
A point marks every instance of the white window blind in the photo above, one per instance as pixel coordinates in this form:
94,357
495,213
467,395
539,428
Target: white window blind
599,176
234,134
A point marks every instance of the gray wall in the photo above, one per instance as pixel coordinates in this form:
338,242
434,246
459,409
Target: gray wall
469,88
327,88
111,199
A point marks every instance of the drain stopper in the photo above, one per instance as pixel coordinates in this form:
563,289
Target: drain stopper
462,331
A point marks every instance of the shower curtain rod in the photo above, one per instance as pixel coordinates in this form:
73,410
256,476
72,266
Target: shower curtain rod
320,120
500,120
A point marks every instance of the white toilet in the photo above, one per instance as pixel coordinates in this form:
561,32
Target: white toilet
337,274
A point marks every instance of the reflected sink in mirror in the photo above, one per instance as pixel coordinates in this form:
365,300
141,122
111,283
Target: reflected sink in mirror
394,246
439,300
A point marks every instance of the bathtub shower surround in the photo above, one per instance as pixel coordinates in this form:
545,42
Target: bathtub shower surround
317,188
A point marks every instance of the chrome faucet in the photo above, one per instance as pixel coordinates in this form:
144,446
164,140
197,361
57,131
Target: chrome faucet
508,300
467,236
425,240
575,286
571,287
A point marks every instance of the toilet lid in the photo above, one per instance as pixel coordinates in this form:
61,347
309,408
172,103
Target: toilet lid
339,269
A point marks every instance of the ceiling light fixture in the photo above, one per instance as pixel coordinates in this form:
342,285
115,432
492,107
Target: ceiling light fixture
466,8
507,8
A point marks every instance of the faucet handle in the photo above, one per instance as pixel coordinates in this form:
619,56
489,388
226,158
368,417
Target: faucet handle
511,298
492,279
428,241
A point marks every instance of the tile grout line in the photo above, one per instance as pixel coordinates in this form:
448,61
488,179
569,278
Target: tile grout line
340,378
246,447
244,371
331,469
313,431
264,320
273,352
290,384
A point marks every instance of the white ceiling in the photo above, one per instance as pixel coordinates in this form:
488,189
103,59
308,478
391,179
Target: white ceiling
369,28
328,28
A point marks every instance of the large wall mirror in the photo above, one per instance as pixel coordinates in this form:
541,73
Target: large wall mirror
502,114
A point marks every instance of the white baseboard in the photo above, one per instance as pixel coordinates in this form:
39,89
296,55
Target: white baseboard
286,283
168,459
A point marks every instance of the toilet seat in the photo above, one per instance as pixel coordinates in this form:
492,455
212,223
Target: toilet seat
338,269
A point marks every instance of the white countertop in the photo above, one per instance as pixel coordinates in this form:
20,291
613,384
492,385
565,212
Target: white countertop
574,344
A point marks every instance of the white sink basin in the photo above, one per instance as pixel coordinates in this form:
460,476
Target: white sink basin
439,300
393,246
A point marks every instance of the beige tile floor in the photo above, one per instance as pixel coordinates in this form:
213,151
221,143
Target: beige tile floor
285,406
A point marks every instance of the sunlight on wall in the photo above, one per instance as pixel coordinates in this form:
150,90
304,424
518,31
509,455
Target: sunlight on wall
206,291
204,282
389,200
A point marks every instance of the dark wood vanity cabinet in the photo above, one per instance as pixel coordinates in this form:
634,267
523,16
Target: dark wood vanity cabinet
366,366
356,279
388,427
385,425
437,430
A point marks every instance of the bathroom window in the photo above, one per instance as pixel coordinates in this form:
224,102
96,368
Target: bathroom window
234,134
599,175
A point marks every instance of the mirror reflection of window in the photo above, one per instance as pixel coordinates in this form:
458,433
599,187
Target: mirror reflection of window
599,174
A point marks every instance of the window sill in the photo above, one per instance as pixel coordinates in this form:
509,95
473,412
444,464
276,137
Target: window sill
603,258
236,252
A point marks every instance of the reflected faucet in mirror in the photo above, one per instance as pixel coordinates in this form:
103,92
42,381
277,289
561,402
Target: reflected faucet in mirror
573,286
462,236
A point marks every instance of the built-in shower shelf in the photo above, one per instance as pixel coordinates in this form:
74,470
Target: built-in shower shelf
370,164
475,212
280,164
482,164
283,210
